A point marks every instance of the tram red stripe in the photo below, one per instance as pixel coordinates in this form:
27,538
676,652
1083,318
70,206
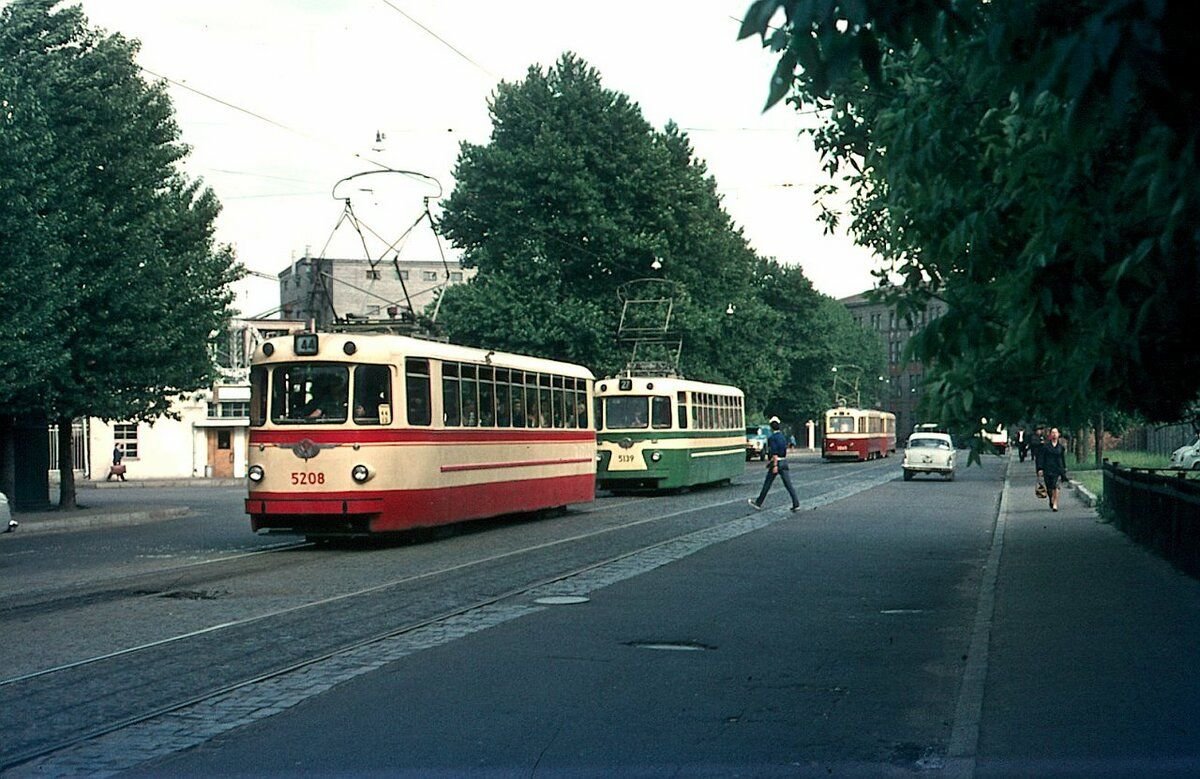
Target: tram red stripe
391,510
517,464
417,436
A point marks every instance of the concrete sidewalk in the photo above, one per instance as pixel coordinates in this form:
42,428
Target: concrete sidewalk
129,502
1092,647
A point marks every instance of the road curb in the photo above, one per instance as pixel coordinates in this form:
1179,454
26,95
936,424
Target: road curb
1085,496
93,521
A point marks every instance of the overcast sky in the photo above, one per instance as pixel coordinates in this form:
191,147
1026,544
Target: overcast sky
280,99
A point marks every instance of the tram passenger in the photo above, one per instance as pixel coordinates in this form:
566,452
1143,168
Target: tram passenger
778,466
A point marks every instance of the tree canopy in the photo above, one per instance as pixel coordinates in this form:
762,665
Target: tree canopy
574,196
1033,165
112,282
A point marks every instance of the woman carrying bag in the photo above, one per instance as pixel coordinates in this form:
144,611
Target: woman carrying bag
1052,466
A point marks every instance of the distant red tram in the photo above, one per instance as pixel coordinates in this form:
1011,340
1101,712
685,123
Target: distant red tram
858,434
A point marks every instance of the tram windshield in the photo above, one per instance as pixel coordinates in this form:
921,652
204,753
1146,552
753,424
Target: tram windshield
316,393
841,425
637,412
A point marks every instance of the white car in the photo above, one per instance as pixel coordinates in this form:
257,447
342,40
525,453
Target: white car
1187,457
929,453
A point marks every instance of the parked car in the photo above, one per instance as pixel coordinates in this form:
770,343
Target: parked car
1187,457
6,521
756,441
929,453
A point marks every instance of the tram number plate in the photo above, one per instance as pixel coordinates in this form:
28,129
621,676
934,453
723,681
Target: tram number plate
626,461
307,477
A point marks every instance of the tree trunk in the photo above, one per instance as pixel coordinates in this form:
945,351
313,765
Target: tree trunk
66,465
1099,433
8,457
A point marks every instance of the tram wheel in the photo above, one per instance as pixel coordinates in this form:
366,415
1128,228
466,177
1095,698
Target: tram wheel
908,475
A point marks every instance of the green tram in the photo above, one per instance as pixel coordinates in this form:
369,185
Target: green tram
667,433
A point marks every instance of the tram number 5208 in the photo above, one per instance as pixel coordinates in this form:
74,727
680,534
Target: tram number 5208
304,477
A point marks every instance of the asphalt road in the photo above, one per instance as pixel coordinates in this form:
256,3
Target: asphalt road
878,632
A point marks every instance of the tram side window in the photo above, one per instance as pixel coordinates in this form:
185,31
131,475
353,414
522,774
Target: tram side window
258,395
503,398
416,388
581,404
598,402
372,395
518,399
559,403
660,412
531,400
546,409
470,395
681,406
451,411
487,397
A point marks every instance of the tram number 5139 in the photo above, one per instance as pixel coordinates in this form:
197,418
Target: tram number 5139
304,477
625,458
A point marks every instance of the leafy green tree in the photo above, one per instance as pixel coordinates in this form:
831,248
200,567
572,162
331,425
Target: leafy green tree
108,246
574,196
1030,163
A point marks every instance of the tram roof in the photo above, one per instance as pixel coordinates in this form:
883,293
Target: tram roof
390,348
852,410
669,383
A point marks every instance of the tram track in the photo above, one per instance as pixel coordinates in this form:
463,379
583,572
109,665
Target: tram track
53,708
98,681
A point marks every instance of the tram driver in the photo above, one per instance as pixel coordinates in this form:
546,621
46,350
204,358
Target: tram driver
328,401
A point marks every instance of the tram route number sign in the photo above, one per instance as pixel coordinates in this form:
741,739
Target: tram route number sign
305,344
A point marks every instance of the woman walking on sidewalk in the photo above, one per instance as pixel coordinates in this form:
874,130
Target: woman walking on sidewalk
777,449
1052,465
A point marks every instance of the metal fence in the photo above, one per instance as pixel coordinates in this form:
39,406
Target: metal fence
1159,509
79,450
1161,440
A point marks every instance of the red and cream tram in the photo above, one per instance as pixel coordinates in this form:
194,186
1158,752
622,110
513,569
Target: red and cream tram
858,434
354,434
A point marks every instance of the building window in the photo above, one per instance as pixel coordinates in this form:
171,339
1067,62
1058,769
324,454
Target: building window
125,435
428,275
373,310
373,274
404,275
456,276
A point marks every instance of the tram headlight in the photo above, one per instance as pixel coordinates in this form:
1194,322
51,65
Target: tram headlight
361,473
655,456
255,473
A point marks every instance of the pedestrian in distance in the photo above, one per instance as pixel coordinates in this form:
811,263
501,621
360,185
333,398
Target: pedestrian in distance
117,468
1052,466
777,465
1036,442
1022,443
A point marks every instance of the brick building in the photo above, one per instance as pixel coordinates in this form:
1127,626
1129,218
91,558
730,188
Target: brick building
904,378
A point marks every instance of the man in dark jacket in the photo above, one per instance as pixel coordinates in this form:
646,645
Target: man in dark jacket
1036,442
777,465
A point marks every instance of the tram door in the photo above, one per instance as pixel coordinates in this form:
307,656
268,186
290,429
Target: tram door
220,452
